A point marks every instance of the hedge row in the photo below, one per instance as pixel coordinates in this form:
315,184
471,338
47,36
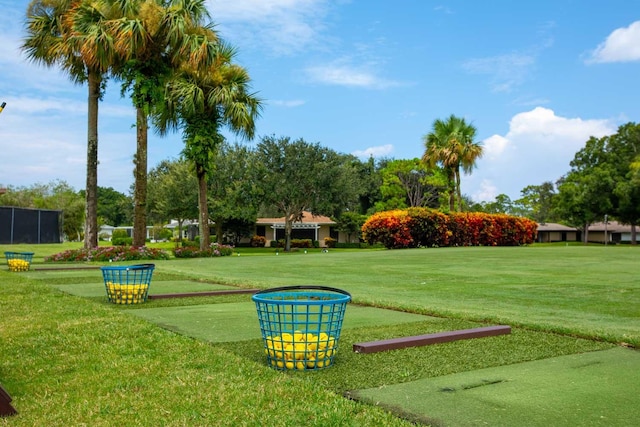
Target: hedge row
295,243
422,227
194,251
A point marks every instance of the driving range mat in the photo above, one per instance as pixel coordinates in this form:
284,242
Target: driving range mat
97,289
599,388
239,321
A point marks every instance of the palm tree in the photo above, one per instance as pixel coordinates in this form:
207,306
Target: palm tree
451,144
201,102
71,34
158,37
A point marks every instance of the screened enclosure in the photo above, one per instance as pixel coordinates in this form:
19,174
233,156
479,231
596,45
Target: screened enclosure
22,225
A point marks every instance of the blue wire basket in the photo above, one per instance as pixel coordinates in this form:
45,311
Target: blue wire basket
301,325
19,261
127,284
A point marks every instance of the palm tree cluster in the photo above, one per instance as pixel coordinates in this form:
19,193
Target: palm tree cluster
177,70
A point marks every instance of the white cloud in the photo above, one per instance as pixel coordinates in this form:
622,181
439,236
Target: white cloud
284,26
291,103
542,126
340,73
507,71
622,45
530,102
379,151
538,147
494,145
486,193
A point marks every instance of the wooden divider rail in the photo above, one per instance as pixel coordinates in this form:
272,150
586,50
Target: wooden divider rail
5,404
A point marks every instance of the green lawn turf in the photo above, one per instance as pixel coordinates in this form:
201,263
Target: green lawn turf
91,348
594,389
69,361
591,291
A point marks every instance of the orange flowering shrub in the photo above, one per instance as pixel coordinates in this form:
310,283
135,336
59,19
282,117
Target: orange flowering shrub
391,228
416,227
429,227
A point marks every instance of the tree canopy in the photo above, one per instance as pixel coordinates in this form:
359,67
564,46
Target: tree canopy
297,176
410,183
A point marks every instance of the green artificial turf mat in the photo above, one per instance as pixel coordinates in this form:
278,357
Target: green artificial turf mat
239,321
97,289
599,388
62,273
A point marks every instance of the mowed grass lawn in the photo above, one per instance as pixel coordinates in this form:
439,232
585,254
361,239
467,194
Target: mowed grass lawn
70,360
588,291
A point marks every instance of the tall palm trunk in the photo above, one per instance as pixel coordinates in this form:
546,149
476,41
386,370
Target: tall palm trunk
458,190
140,172
91,191
203,208
452,189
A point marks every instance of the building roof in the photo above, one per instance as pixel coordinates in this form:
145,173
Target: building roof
612,227
552,226
307,218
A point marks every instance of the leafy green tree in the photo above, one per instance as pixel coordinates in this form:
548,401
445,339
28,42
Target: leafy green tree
451,144
72,35
501,204
157,38
584,194
114,207
173,192
634,173
410,183
370,182
350,223
623,149
233,191
537,202
297,176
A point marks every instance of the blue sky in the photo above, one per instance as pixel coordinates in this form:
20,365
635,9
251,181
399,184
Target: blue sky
366,77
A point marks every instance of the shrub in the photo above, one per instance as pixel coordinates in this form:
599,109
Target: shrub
355,245
122,241
330,242
258,241
183,251
429,227
389,228
425,227
301,243
118,233
109,253
160,233
221,250
214,250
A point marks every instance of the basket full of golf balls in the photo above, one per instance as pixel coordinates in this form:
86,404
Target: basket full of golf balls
19,261
300,325
127,284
